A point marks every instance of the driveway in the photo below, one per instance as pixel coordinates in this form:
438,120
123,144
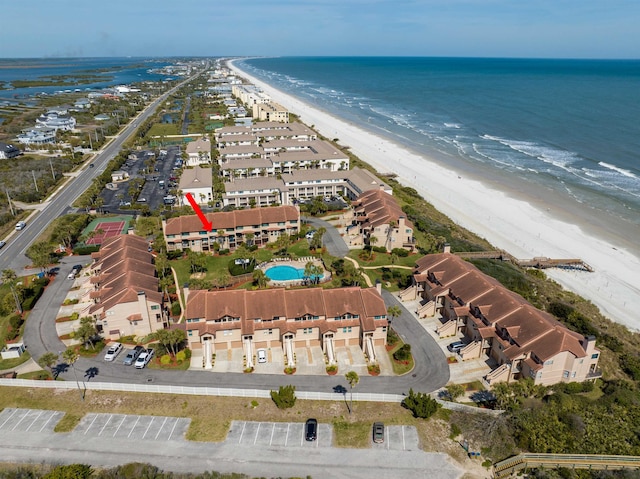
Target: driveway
331,240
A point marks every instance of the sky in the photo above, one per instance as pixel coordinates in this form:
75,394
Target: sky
467,28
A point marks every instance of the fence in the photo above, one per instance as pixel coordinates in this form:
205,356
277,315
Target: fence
513,464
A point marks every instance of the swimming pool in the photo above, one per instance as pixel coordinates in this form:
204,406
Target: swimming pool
285,273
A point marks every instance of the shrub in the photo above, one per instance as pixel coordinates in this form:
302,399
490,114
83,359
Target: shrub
401,252
420,404
82,250
403,353
181,356
175,309
15,321
379,249
224,252
74,316
285,397
165,359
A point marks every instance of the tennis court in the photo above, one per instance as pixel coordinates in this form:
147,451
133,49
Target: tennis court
100,229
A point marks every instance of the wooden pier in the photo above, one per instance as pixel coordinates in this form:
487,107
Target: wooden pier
538,262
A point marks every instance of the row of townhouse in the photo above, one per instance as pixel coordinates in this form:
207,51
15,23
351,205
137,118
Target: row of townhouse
198,152
381,221
261,132
217,321
125,289
300,184
522,341
257,226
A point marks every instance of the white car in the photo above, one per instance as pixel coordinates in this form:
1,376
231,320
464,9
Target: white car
262,355
113,351
310,234
144,358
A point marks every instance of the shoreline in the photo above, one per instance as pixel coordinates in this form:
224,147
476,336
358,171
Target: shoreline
521,221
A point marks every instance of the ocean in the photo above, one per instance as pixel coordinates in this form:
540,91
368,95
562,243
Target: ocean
116,71
569,125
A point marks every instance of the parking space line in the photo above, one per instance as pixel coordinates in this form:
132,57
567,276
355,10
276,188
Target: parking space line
173,429
134,426
14,411
302,437
105,424
94,420
119,425
272,430
34,420
53,413
244,424
403,445
257,431
286,439
147,430
161,427
26,412
388,437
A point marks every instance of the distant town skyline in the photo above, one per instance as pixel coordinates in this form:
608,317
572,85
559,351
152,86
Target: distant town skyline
474,28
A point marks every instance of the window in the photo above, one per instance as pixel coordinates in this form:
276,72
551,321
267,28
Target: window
227,332
155,307
384,328
268,331
307,330
573,374
565,374
190,333
347,329
594,356
549,362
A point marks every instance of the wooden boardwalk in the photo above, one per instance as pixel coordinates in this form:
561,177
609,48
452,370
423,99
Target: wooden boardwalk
539,262
514,464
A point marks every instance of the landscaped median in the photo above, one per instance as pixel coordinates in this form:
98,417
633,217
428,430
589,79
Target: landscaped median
399,353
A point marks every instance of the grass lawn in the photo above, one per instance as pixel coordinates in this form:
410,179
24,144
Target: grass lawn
159,129
211,416
14,362
382,259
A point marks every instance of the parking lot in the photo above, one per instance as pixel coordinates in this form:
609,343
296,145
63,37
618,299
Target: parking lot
28,420
291,434
149,428
287,434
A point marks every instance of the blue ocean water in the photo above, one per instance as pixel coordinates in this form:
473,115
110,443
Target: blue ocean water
116,71
571,125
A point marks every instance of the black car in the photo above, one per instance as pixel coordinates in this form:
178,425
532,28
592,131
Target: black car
311,430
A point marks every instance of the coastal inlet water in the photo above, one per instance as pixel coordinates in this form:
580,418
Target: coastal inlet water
571,125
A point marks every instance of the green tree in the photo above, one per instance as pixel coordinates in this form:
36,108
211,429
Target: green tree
353,379
197,261
372,242
87,331
71,471
9,277
47,361
260,279
420,404
40,254
70,356
393,312
285,397
454,391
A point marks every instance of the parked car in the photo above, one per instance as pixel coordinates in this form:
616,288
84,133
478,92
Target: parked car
2,243
72,275
378,432
262,355
113,351
144,358
20,225
132,355
311,430
310,234
456,346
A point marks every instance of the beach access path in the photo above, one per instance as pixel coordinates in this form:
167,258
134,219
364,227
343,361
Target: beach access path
508,219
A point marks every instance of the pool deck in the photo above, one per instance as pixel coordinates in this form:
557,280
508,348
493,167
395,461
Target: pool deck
298,263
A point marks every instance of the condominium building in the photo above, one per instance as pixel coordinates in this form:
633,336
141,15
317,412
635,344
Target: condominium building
257,226
199,182
198,152
218,321
125,292
270,111
381,221
520,340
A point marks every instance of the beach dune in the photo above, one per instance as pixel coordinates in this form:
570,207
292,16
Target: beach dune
509,221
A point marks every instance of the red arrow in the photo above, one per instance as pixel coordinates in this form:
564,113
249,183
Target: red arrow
208,226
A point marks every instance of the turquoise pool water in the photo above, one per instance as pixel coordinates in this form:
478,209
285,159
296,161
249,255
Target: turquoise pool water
285,273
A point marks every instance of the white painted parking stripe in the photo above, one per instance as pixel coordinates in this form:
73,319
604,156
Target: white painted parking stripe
119,425
34,420
257,431
161,427
242,433
173,429
14,411
403,444
388,436
302,436
287,436
26,413
134,426
145,433
94,420
272,430
105,424
53,413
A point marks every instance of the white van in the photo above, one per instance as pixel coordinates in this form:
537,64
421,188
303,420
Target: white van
20,225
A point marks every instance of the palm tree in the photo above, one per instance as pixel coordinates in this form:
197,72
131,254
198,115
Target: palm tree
47,360
9,277
372,241
353,379
394,311
259,278
71,356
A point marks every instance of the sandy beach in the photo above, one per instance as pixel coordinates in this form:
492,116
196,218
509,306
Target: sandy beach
510,220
